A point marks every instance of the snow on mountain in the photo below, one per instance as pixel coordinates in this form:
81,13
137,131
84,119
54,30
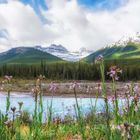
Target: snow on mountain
53,49
62,52
125,39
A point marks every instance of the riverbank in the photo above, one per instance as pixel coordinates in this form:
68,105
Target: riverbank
85,89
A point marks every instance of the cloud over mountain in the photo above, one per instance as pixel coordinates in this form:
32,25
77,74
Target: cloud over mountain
68,23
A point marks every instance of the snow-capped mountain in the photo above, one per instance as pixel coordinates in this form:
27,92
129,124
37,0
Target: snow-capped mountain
125,39
62,52
53,49
127,47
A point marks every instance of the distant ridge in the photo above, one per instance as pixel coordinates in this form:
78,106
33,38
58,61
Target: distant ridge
61,52
26,55
130,51
128,47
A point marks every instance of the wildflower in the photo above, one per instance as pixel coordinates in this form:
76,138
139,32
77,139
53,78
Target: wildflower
1,88
98,87
138,130
125,108
41,77
124,129
136,109
113,127
127,86
13,109
56,121
113,73
106,98
53,87
126,125
135,99
88,89
38,81
109,98
99,58
8,78
135,88
8,123
74,85
36,90
69,110
113,98
20,105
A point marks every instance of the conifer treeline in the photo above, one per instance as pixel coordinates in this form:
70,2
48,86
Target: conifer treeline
71,71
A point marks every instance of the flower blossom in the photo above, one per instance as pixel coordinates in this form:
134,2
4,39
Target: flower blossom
114,71
98,88
75,85
99,58
13,109
36,90
8,123
8,78
53,87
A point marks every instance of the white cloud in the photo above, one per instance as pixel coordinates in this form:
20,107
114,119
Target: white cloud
79,26
22,24
68,24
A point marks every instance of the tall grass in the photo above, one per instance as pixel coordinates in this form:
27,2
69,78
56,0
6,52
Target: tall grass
118,123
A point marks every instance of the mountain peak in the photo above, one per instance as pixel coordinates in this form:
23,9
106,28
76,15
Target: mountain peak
126,39
57,48
128,47
26,55
62,52
17,50
53,48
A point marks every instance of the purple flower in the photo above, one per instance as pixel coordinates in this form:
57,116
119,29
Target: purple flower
136,88
99,58
53,87
13,109
114,71
74,85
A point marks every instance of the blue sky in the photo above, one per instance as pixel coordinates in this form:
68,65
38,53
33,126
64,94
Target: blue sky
99,5
37,5
95,4
103,4
91,4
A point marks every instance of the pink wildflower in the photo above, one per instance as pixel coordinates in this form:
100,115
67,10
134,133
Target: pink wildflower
114,71
53,87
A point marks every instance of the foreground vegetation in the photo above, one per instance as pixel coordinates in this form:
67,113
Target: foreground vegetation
111,124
